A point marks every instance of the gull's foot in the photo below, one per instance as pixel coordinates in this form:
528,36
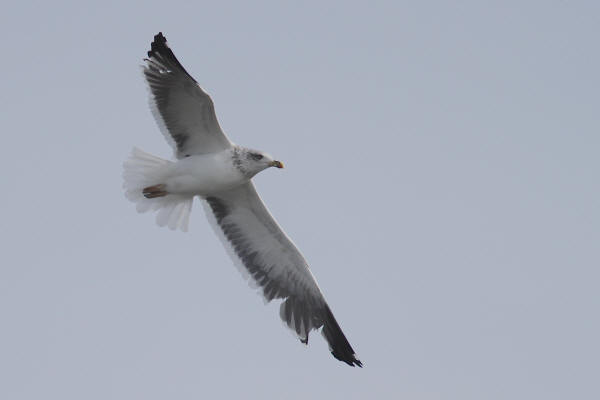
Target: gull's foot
151,192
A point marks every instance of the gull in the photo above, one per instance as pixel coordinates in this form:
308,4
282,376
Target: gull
209,166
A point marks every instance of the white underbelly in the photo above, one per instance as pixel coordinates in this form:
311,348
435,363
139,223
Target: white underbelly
203,175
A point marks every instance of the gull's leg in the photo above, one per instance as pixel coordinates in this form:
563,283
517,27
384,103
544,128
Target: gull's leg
151,192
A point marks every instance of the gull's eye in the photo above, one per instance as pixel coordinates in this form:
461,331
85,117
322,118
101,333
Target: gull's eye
257,156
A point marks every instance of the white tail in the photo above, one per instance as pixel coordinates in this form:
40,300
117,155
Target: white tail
142,170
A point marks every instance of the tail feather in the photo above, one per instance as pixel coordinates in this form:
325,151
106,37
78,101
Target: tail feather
143,171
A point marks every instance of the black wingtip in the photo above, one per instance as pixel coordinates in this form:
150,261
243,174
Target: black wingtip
350,360
338,344
159,44
159,49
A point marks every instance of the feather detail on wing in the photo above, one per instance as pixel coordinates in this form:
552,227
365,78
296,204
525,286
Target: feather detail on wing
274,264
183,111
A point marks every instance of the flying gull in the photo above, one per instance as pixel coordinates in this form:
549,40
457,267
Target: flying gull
210,166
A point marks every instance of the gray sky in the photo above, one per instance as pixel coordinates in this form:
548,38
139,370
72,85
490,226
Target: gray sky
442,181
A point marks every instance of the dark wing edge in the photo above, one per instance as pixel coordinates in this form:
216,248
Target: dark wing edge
159,49
338,344
299,310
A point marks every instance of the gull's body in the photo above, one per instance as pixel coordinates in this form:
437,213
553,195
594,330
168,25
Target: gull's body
203,174
218,171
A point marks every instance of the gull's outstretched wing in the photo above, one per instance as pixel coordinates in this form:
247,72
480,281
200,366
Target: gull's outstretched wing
272,261
184,112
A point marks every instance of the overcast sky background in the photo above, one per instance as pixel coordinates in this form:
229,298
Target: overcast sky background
442,179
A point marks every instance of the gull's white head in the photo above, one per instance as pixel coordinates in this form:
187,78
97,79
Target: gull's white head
250,162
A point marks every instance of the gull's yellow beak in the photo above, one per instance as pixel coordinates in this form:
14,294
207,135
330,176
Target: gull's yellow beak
277,164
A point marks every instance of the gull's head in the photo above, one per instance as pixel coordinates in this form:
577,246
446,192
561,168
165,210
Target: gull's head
251,162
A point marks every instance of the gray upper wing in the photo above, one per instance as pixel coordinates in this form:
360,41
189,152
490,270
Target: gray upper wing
274,263
183,111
